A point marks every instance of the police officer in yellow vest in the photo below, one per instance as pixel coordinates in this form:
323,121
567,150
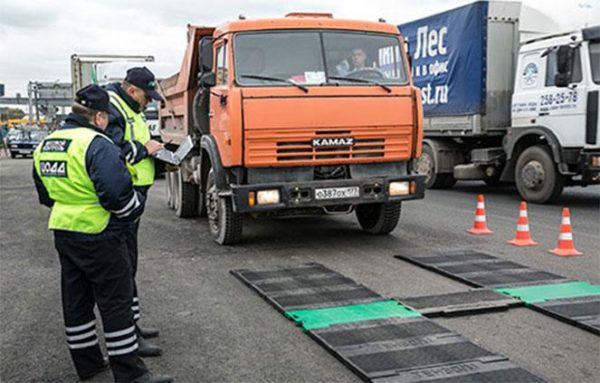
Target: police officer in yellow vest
81,175
128,129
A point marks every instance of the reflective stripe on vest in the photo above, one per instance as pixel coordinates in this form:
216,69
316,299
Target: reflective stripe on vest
59,161
142,173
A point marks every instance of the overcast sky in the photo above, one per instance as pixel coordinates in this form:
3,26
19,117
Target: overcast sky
37,37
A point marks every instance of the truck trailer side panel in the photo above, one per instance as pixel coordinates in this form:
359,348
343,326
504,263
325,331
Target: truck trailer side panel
463,61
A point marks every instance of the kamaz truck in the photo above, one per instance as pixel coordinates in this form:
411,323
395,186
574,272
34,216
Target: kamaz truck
294,116
501,110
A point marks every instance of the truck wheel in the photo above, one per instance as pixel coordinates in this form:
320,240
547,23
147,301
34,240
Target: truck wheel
379,218
170,192
201,195
187,197
175,189
13,155
225,225
536,176
426,166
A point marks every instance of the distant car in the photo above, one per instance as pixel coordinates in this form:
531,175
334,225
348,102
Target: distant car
24,141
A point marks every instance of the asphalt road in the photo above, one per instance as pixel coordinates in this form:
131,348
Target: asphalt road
214,328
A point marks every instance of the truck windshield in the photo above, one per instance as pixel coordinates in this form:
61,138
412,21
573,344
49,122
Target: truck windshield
595,61
318,58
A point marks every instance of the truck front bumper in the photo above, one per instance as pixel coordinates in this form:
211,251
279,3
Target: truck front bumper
589,163
298,195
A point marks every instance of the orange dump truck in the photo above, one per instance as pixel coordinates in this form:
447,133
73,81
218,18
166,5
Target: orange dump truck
295,116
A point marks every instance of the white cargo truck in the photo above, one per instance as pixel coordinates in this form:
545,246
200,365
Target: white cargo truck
500,110
84,67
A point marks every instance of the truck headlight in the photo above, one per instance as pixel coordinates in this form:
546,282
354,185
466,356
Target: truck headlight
267,197
596,161
399,188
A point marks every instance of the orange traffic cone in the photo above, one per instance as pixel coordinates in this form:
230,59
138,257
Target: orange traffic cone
480,224
565,246
522,238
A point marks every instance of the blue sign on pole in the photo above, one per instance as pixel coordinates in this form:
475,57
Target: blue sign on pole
448,53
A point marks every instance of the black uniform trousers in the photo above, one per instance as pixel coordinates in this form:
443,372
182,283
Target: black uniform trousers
99,272
132,248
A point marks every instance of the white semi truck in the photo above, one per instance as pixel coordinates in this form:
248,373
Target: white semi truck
499,110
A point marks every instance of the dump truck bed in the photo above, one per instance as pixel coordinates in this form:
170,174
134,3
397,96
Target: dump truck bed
179,90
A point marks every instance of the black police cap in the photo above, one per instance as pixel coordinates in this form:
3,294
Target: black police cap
94,97
144,79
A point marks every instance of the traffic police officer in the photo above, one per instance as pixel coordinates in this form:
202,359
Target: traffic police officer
128,129
81,175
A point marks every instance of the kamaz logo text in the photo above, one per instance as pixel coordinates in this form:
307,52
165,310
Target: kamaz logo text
333,142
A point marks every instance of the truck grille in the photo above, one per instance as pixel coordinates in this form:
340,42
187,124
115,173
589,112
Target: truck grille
295,147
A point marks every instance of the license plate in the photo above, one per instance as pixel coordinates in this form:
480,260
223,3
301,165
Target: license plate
337,193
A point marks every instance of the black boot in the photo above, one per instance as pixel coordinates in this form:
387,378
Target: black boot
150,378
147,332
103,367
146,349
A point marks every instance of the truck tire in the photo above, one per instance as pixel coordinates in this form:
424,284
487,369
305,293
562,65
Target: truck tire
187,197
201,195
169,180
427,166
176,194
537,177
379,218
224,224
200,109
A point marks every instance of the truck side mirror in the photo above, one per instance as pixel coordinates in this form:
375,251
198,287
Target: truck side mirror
208,79
205,50
565,61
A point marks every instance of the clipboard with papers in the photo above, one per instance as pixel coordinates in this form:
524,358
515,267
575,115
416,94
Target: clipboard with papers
175,158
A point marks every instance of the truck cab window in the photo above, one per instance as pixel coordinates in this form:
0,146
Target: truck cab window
274,58
551,68
350,58
222,74
364,56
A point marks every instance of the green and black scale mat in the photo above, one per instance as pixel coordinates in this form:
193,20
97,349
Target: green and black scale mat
380,339
574,302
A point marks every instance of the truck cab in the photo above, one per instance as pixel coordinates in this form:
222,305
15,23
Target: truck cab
555,129
301,115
